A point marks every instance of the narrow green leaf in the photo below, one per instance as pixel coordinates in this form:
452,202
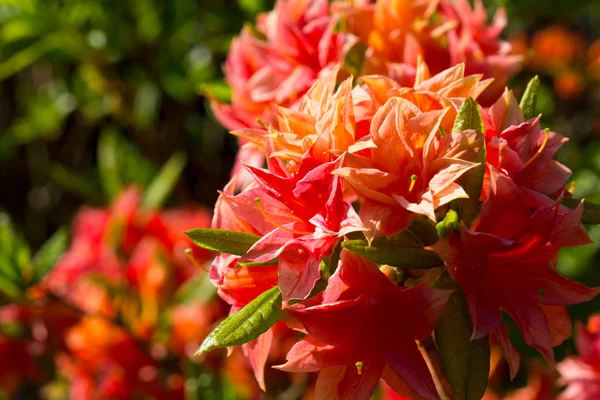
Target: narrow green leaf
354,59
424,230
9,289
466,362
529,99
48,255
468,117
396,253
247,324
107,163
84,185
591,211
230,242
216,90
194,290
163,184
267,263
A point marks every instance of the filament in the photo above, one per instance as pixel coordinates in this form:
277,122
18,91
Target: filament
547,131
190,254
413,179
359,367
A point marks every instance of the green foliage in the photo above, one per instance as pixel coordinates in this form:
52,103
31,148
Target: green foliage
469,117
396,253
164,182
225,241
354,59
247,324
18,269
466,362
529,99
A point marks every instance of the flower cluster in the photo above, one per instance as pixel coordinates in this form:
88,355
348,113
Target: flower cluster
120,314
301,40
387,212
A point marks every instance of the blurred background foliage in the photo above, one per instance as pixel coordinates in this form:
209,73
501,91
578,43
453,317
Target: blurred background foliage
99,94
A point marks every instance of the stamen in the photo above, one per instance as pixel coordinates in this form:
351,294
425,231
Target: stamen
359,367
413,179
264,214
262,123
547,131
190,254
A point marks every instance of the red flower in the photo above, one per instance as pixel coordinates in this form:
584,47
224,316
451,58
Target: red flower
314,218
506,263
581,374
522,150
363,326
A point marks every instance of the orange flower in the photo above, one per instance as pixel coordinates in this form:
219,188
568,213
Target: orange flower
442,32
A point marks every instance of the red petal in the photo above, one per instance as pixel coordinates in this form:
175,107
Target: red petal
406,361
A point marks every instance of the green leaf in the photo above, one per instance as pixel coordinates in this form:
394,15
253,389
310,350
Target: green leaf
591,211
221,240
82,184
48,255
424,230
163,184
468,117
107,163
216,90
466,362
120,163
396,253
529,98
267,263
247,324
354,59
197,289
15,260
27,5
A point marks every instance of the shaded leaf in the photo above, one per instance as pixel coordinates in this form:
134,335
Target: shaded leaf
396,253
529,98
221,240
48,255
591,211
466,362
354,59
165,181
424,230
247,324
468,117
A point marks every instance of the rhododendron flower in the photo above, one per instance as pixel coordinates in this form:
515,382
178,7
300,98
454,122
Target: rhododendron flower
147,237
279,62
522,150
332,119
363,326
410,169
275,65
442,32
104,362
581,374
509,265
308,217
